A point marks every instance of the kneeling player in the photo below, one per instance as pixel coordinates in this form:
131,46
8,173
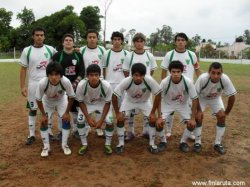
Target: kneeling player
209,87
176,91
138,88
51,97
94,96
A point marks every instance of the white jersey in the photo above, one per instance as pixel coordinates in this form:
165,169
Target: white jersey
93,56
113,63
146,58
137,93
54,92
177,93
92,96
209,90
187,58
36,60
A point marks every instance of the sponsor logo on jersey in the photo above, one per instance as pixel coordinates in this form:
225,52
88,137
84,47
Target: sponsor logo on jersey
95,62
118,67
71,70
42,65
74,61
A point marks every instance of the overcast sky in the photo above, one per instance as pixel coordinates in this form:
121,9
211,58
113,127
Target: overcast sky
219,20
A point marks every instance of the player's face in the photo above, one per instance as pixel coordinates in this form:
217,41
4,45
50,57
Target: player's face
180,44
38,38
68,43
117,42
176,75
139,44
92,40
138,78
94,79
54,78
215,74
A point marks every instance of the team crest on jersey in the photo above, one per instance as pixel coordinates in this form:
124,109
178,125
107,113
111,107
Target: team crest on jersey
74,61
219,89
46,55
144,90
60,92
122,60
100,56
187,61
147,62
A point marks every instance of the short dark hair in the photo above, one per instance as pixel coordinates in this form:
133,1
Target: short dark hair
38,29
138,36
54,66
181,35
176,64
215,65
92,31
138,68
93,68
118,35
68,35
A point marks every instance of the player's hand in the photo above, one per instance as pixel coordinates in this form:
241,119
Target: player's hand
91,121
24,92
120,116
199,115
98,124
77,49
152,118
191,124
66,117
44,121
159,123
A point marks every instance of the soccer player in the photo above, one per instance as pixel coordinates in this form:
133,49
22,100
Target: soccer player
94,95
35,59
73,68
139,55
190,64
51,97
93,53
210,87
177,89
138,88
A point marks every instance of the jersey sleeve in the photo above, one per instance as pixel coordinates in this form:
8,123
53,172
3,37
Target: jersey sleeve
79,91
153,64
120,88
155,87
108,93
195,59
163,86
229,88
23,58
191,90
40,89
68,87
126,64
165,61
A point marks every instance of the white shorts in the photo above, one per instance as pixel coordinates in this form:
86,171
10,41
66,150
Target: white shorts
32,86
59,106
184,111
215,104
98,108
144,107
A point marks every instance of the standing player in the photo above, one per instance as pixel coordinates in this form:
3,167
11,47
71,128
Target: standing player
210,87
139,55
51,97
190,64
73,68
93,54
177,90
94,95
34,58
138,88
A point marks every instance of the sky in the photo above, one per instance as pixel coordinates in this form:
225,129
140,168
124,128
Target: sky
219,20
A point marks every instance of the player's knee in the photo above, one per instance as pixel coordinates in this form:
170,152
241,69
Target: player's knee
221,116
32,112
109,127
66,125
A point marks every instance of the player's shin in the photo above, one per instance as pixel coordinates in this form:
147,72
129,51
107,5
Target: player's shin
82,129
32,122
45,135
151,132
65,132
120,132
220,130
197,133
109,129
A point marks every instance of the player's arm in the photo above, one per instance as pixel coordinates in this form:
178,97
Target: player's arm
157,100
23,72
104,114
126,73
151,72
66,116
104,73
230,104
164,74
197,72
192,122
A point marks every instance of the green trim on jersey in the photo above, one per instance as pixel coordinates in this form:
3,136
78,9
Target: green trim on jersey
185,84
61,57
47,86
102,89
148,87
170,80
189,54
222,86
84,49
130,84
86,89
108,58
100,49
29,51
132,57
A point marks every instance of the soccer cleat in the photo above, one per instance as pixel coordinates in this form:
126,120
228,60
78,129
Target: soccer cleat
83,149
66,150
108,149
184,147
153,149
219,148
119,149
162,146
45,152
197,148
76,135
192,136
30,140
129,136
99,132
58,137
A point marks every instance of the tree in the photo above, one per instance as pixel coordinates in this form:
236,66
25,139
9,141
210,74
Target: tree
208,51
91,17
239,39
26,16
247,36
166,34
5,19
196,39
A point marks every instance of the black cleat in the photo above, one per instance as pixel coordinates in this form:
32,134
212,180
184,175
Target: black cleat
120,149
162,146
184,147
153,149
30,140
219,148
197,148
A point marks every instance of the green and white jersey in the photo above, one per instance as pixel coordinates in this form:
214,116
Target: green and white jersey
92,96
113,64
208,90
137,93
146,58
93,56
177,93
187,58
36,60
54,92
